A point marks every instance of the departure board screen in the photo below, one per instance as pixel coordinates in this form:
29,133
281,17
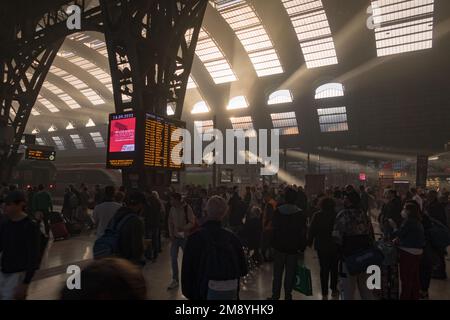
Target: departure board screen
40,153
121,140
158,142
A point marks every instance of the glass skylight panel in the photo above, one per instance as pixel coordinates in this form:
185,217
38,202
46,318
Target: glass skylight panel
98,139
333,119
249,29
200,107
34,112
170,109
69,101
92,96
403,25
50,106
239,102
70,126
191,83
311,25
286,122
35,131
244,123
202,126
330,90
52,128
213,59
59,143
90,123
279,97
40,141
77,141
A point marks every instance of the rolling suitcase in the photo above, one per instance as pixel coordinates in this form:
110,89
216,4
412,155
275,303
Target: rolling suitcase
59,231
58,227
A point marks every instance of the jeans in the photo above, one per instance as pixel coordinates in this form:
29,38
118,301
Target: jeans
177,243
409,275
287,264
350,283
221,295
328,271
9,283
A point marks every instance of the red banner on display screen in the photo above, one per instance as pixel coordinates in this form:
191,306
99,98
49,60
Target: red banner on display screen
122,135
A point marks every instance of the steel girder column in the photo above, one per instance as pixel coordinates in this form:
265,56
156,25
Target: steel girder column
28,48
151,46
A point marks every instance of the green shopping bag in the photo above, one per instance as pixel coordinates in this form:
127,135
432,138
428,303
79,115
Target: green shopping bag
303,283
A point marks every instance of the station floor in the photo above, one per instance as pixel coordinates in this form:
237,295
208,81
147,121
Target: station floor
257,286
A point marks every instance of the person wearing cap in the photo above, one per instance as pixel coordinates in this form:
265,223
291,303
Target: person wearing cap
19,249
353,233
131,238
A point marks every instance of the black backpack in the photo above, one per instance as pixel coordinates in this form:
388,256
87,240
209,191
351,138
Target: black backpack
222,261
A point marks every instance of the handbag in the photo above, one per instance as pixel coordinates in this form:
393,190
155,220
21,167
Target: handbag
303,282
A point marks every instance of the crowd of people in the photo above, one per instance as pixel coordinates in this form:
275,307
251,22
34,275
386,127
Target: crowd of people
223,232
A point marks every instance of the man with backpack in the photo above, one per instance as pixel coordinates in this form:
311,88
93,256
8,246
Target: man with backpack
214,260
181,223
289,243
124,236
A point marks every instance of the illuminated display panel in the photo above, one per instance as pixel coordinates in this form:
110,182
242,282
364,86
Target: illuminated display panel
121,140
158,142
40,153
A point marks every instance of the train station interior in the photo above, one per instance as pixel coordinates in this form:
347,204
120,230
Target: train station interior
225,149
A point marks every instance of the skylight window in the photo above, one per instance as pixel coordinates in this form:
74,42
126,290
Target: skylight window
200,107
202,126
90,123
90,94
40,141
280,97
70,126
191,83
330,90
63,96
333,119
77,141
403,26
313,31
50,106
35,131
171,109
98,139
286,122
239,102
249,29
34,112
244,123
59,143
52,128
213,59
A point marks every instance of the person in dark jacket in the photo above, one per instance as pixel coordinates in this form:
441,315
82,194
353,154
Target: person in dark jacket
289,243
238,209
436,210
213,260
390,214
252,233
19,249
410,240
131,238
320,233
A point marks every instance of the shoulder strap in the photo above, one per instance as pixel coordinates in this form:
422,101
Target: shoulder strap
120,223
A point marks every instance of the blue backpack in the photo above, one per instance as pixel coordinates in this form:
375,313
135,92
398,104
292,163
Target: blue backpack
108,244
